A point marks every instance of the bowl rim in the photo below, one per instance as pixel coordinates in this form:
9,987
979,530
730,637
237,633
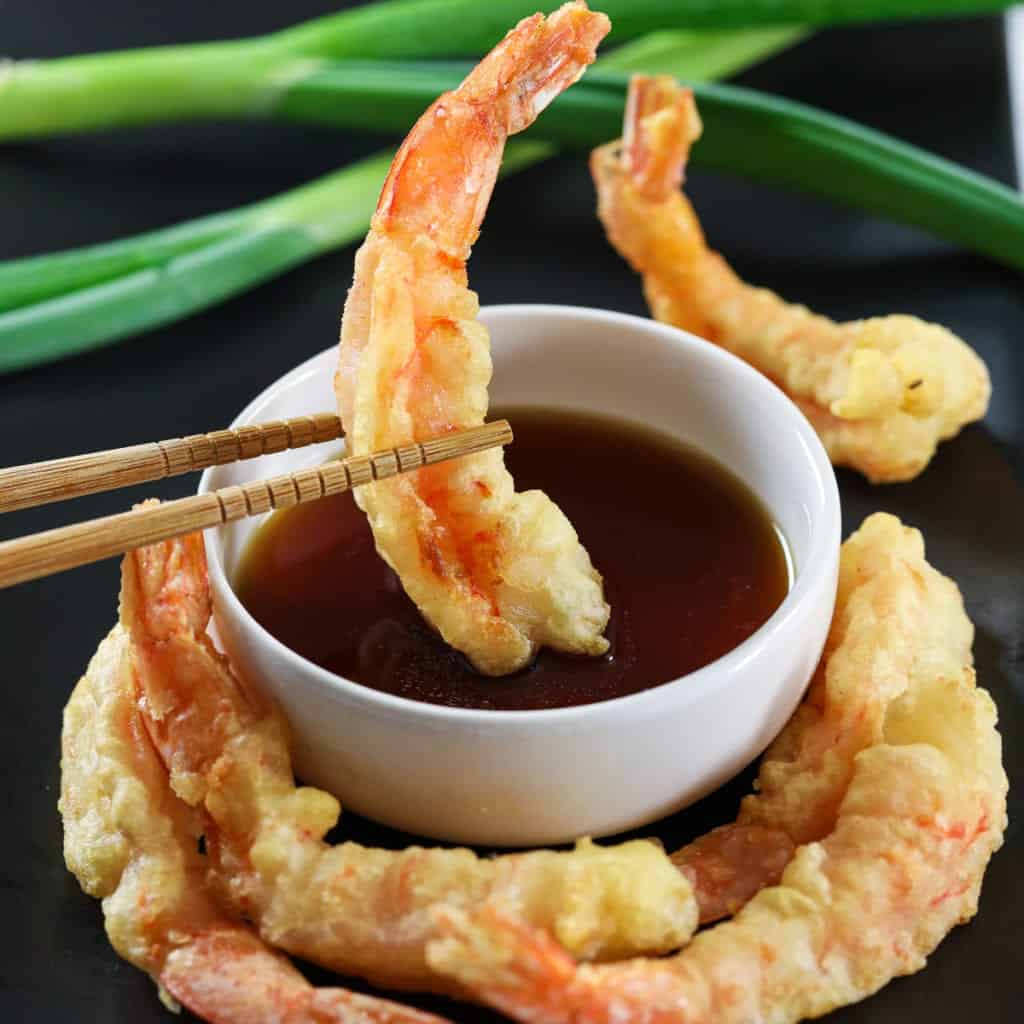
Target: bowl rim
815,571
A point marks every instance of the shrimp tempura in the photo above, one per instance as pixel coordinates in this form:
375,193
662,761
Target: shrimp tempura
131,842
499,574
889,778
881,393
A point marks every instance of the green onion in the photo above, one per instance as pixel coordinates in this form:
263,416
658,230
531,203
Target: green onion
195,265
746,132
129,286
791,144
55,305
243,77
42,277
164,276
716,54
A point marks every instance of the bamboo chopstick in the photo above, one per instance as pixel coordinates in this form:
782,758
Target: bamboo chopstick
41,482
42,554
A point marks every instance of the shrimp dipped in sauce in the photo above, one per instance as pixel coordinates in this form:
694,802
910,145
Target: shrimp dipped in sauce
499,574
889,779
881,393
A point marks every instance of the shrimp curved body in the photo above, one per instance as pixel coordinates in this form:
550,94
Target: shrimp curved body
132,843
890,776
498,574
881,393
357,910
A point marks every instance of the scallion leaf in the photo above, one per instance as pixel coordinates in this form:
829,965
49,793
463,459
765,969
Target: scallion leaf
746,133
167,275
242,77
55,305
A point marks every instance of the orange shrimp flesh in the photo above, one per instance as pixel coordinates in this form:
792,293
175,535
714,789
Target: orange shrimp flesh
498,574
135,845
356,910
920,806
731,864
881,393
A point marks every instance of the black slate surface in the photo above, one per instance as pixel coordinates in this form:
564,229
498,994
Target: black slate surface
942,86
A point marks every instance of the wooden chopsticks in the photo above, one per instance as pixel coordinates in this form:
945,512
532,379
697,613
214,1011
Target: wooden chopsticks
59,479
52,551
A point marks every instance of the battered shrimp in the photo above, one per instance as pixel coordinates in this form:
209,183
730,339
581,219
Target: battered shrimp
881,393
910,759
133,844
498,574
359,911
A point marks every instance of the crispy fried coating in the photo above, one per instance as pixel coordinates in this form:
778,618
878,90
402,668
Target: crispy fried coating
881,393
897,760
133,844
357,910
886,639
499,574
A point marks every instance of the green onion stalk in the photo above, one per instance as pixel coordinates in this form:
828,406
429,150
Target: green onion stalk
52,306
248,76
55,305
745,132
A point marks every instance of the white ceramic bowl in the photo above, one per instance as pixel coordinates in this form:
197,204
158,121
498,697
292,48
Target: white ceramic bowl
509,778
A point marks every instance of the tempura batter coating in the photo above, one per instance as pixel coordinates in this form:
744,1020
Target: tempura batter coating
356,910
920,805
887,639
133,844
499,574
881,393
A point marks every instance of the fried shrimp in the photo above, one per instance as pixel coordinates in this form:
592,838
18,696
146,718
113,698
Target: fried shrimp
357,910
498,574
133,844
881,393
890,775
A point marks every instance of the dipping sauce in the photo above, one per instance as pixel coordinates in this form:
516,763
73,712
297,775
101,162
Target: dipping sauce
691,560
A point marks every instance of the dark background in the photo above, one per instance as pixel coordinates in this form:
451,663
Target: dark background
941,86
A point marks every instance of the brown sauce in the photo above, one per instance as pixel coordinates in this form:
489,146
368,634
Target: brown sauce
691,560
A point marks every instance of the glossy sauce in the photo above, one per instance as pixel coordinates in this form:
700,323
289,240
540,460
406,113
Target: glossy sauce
691,560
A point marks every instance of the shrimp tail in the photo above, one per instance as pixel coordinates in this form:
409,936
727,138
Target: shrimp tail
535,62
165,608
165,587
660,125
229,975
527,974
523,972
